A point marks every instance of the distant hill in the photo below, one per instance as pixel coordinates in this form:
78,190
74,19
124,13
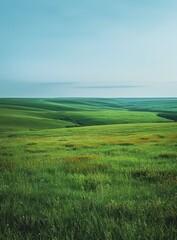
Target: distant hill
50,113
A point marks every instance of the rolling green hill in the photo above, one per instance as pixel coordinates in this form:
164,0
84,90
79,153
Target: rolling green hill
36,114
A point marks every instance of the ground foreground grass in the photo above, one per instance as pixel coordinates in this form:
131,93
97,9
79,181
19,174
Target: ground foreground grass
100,182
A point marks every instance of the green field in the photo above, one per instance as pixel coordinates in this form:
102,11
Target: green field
88,169
37,114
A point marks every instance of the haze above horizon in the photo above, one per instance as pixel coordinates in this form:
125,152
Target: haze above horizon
88,48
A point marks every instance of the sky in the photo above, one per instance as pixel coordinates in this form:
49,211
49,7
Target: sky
95,48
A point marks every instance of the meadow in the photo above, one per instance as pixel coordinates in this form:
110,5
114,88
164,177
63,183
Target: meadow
81,169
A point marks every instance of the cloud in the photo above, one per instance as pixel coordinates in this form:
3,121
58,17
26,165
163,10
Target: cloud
111,86
63,84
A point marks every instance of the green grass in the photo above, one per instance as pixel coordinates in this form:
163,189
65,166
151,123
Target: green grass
12,119
37,114
101,182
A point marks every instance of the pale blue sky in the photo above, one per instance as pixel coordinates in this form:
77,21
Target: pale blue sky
100,48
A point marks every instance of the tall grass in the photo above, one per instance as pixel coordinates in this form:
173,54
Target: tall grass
90,183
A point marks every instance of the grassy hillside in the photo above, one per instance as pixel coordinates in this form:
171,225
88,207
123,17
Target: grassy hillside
36,114
81,169
13,119
99,182
82,104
